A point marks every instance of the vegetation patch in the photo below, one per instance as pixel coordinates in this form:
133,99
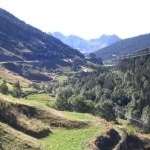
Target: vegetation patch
56,119
62,78
22,118
79,116
13,139
63,139
43,98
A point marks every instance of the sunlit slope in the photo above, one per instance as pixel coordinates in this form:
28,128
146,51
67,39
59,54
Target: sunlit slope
76,129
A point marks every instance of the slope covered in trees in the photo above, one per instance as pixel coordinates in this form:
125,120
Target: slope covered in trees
126,85
124,47
20,41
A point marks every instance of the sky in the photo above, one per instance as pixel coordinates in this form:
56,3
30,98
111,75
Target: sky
85,18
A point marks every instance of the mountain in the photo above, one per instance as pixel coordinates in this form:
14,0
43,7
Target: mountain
71,40
103,41
124,47
20,41
86,46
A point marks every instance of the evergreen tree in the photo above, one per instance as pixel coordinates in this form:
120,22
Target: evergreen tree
146,117
4,88
106,110
62,99
78,103
17,90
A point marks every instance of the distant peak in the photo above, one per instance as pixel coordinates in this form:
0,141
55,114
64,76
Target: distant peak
57,33
105,35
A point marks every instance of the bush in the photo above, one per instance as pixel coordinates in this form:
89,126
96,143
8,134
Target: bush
131,132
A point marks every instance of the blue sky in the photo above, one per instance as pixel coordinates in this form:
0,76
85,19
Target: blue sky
85,18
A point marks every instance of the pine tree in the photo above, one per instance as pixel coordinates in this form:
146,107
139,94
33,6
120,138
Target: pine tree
4,88
17,90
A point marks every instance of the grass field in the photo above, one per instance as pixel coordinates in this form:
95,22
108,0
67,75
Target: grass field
79,116
63,139
43,98
21,101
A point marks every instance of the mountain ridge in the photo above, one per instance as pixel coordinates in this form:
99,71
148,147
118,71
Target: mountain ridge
86,46
124,47
25,42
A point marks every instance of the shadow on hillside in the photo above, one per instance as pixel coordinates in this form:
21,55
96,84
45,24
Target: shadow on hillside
135,143
108,140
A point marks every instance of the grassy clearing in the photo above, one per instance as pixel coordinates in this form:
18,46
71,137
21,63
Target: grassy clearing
26,89
123,122
69,139
79,139
42,98
62,78
33,100
79,116
21,101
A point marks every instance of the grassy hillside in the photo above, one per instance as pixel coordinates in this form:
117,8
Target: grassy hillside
43,72
27,118
13,139
31,116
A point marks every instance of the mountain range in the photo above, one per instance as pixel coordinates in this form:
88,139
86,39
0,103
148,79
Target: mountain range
20,41
124,47
86,46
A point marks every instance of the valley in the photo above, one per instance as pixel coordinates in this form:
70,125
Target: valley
53,98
